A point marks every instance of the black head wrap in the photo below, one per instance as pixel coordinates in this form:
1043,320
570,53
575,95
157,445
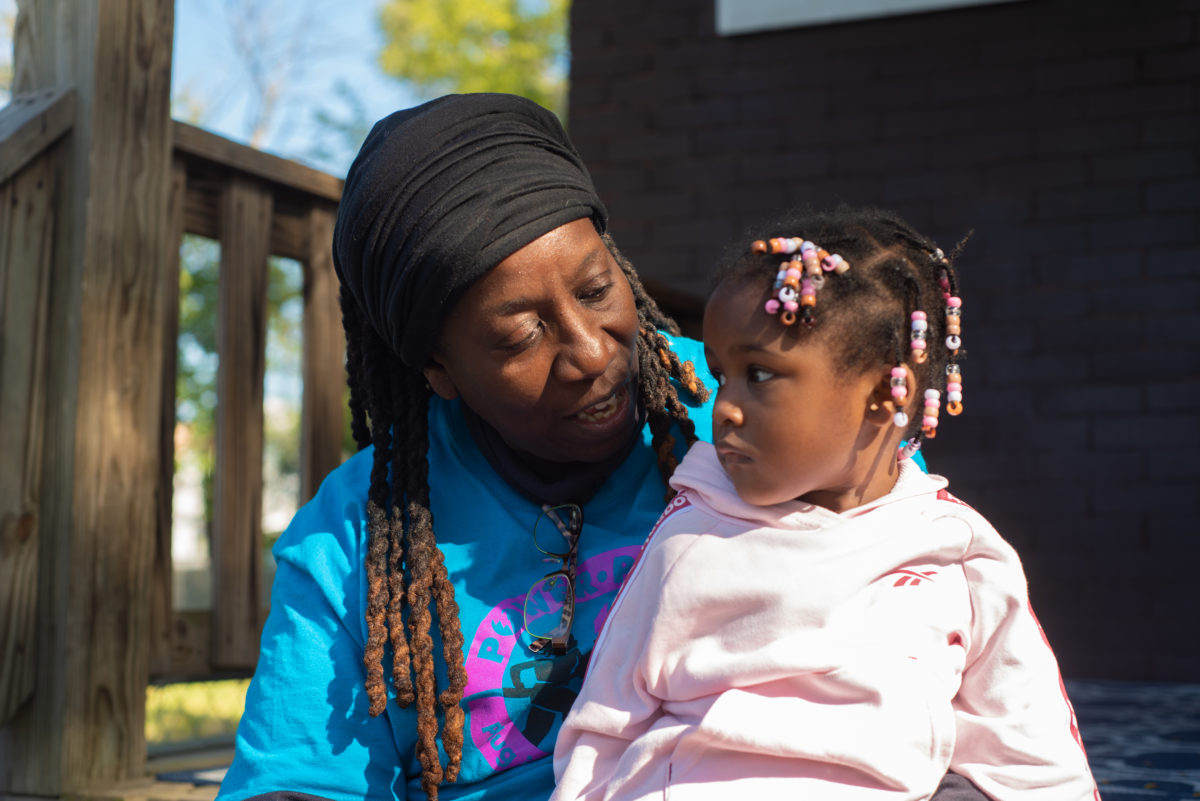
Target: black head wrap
441,193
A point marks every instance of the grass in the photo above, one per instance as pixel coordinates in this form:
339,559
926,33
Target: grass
177,713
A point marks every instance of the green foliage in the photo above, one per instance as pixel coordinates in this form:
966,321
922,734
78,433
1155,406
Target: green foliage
180,712
196,375
8,20
516,46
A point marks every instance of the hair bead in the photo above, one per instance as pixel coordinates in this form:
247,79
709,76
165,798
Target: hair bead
954,405
929,422
799,279
917,336
900,394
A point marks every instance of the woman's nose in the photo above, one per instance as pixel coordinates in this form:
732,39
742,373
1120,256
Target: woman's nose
585,349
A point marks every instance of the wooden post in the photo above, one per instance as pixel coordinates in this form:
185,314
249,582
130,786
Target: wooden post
242,352
162,619
324,408
27,234
83,728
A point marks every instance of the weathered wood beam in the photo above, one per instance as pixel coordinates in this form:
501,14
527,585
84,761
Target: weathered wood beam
31,123
26,252
200,143
237,477
84,726
162,618
324,407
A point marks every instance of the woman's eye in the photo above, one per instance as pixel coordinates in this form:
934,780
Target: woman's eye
521,338
756,375
596,293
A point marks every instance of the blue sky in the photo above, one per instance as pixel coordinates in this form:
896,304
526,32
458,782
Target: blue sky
318,43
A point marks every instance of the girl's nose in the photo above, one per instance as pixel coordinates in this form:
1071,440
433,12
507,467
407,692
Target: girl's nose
726,412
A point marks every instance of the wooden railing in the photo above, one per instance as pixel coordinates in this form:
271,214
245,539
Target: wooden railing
255,205
30,129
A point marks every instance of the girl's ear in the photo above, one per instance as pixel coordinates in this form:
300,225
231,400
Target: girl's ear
439,379
883,406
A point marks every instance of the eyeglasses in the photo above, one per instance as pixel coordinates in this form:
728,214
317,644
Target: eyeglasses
550,602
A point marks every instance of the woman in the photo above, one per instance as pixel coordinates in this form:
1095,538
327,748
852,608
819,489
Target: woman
512,393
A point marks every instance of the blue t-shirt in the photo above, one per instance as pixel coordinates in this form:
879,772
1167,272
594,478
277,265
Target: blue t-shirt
306,726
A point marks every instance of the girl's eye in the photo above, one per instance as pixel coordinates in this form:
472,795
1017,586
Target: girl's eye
756,375
718,376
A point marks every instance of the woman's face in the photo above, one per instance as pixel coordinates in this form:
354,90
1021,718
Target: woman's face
543,347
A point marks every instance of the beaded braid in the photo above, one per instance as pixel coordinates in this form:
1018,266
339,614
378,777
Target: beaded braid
389,405
896,272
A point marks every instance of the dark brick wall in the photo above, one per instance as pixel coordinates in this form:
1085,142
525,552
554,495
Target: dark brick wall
1067,134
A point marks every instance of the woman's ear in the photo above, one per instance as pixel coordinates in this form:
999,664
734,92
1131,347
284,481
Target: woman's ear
439,379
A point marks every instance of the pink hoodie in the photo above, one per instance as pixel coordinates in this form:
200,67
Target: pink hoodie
793,652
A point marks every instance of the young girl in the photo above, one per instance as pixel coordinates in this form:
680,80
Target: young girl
813,617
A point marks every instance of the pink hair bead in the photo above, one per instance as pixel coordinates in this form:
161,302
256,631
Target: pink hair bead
772,306
918,344
929,422
954,302
899,392
810,260
791,306
918,315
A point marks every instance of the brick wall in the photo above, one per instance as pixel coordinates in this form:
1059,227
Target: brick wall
1067,134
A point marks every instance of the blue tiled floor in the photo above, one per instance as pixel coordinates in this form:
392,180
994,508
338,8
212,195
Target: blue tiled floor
1142,739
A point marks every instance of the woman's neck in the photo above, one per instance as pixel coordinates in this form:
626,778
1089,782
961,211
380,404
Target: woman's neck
541,480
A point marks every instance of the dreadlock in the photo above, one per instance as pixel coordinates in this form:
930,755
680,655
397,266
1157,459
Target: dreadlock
896,271
389,405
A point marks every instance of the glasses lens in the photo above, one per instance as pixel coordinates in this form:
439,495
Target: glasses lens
544,605
556,528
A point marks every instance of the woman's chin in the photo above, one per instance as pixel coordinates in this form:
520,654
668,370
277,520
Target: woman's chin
596,437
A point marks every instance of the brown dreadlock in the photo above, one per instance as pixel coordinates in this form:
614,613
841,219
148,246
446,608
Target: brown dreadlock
389,406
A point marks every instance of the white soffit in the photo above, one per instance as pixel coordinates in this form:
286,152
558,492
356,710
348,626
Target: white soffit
754,16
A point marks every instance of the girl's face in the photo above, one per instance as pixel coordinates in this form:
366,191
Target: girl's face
787,422
543,347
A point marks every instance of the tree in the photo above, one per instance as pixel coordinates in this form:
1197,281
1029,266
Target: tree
7,21
516,46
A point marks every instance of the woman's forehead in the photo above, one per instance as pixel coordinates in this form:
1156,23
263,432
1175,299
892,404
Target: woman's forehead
564,257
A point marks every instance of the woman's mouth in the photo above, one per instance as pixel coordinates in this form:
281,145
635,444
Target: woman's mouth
604,410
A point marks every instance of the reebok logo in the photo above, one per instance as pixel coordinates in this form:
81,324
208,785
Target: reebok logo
911,578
